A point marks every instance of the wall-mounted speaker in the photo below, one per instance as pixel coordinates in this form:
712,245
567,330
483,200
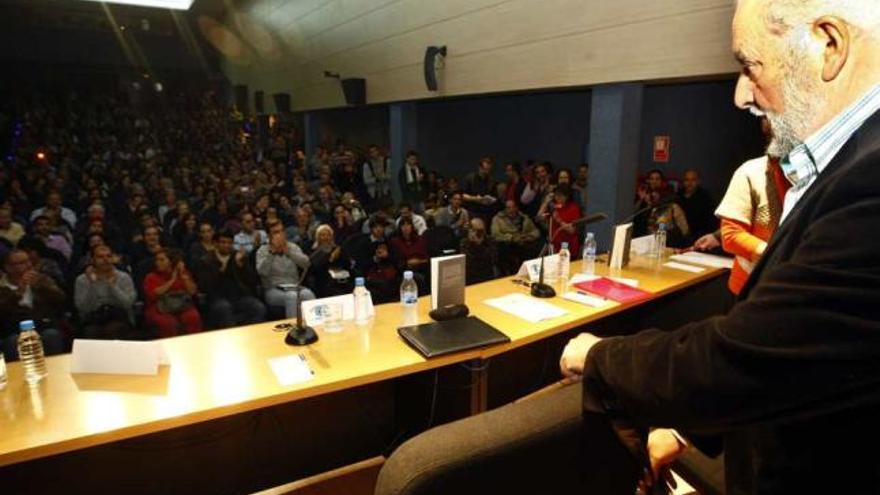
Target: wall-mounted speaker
434,56
355,91
240,91
282,102
258,102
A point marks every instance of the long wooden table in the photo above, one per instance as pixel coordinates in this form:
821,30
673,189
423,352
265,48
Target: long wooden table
223,373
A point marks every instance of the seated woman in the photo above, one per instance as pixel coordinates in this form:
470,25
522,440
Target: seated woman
330,269
169,291
564,212
409,248
343,225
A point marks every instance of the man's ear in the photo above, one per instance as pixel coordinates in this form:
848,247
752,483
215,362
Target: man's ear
836,36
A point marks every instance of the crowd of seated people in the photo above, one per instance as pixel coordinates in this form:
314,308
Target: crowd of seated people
119,221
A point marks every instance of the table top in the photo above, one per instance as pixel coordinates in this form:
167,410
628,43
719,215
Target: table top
225,372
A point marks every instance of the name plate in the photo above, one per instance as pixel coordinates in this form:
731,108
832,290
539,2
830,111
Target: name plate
117,357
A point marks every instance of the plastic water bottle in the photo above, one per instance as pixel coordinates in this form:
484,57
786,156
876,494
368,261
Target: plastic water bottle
588,265
30,352
409,299
660,240
2,372
564,266
362,302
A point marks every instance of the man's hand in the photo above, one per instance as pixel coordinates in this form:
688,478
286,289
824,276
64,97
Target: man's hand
663,448
91,274
575,354
240,256
278,243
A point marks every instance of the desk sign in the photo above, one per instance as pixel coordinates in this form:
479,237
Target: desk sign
117,357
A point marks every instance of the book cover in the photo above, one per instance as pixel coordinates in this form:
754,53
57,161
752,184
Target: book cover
447,280
615,291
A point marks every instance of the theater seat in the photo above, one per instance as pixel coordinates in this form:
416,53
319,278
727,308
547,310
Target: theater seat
537,446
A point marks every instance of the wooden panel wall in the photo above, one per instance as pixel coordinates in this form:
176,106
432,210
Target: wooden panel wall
494,45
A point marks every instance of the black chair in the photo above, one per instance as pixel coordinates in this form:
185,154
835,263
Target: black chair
542,445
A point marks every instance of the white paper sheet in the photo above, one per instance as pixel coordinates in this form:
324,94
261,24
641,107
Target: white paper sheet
292,369
117,357
526,307
642,245
586,299
704,259
684,267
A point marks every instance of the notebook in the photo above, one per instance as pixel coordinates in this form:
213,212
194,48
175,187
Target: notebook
616,291
445,337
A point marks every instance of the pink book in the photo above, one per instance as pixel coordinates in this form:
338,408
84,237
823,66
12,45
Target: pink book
616,291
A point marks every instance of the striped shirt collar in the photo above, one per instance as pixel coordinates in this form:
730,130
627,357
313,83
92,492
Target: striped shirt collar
807,160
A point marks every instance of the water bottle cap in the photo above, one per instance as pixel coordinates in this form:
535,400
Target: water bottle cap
407,275
25,325
359,281
564,245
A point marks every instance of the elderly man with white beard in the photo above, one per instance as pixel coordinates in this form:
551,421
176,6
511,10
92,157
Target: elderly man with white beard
789,381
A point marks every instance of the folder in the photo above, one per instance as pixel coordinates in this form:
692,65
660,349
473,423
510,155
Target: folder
445,337
615,291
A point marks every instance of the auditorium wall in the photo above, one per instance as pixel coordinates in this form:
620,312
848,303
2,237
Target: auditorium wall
493,45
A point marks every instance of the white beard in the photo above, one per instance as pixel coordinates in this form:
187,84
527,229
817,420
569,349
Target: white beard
801,101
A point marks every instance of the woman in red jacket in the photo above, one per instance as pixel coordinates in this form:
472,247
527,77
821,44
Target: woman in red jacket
169,291
565,212
410,249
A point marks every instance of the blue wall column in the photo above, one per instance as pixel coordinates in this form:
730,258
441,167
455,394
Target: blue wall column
311,135
403,130
615,129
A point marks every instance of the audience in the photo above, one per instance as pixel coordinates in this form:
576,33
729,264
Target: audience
123,190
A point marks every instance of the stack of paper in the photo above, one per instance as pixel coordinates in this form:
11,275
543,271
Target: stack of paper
703,259
526,307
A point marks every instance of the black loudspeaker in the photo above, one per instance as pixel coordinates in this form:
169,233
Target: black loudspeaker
258,102
240,92
282,102
433,55
355,91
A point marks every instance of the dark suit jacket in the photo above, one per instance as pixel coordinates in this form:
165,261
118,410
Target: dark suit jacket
791,376
414,192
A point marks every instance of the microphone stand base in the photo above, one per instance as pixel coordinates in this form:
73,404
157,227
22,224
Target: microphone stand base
304,335
543,291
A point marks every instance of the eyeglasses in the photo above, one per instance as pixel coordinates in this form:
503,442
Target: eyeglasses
282,327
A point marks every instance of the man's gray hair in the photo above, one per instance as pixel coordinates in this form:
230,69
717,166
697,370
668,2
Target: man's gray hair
784,15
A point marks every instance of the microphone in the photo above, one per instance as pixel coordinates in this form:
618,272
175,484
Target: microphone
540,289
668,200
301,334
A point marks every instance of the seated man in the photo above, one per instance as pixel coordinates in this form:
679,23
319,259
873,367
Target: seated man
516,236
230,282
42,230
481,252
280,262
104,296
10,230
53,205
453,216
250,238
27,295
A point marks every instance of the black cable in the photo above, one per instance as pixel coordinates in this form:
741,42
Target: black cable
434,398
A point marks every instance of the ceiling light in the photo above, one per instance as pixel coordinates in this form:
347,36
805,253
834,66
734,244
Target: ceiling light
164,4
